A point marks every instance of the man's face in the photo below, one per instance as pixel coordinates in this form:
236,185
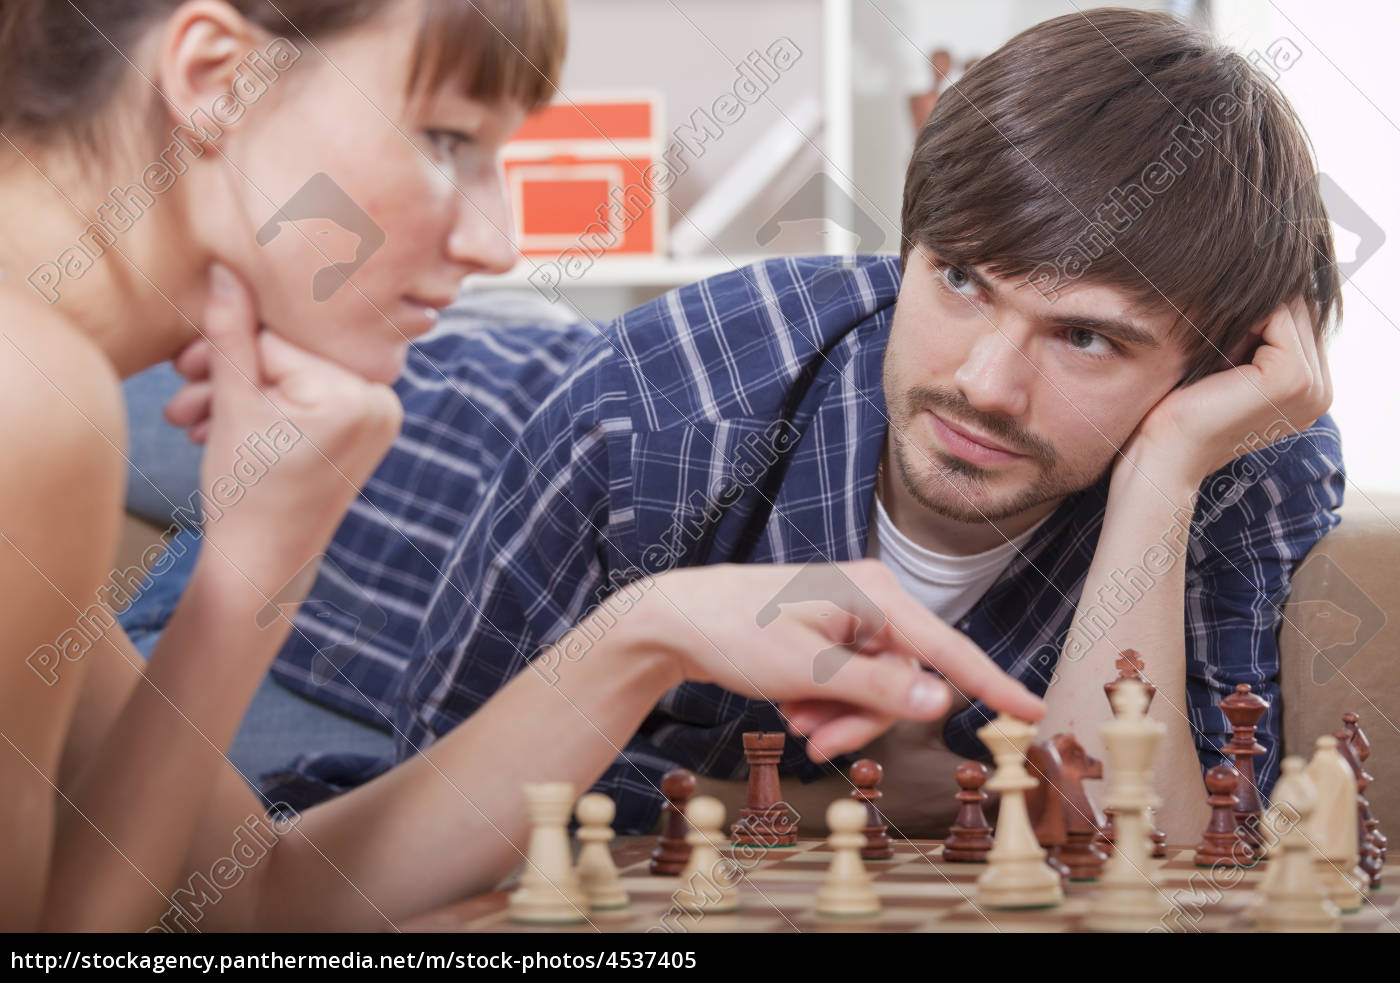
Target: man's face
1000,401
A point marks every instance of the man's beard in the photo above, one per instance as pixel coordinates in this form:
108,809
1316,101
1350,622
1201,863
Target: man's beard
960,490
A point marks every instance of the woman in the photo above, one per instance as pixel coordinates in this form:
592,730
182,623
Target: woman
300,186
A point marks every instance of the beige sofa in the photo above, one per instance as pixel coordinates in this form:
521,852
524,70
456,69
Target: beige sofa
1338,643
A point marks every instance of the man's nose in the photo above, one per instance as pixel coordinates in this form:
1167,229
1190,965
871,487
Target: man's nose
995,376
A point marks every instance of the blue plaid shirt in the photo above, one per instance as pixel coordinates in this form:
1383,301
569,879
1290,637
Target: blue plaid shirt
466,397
641,457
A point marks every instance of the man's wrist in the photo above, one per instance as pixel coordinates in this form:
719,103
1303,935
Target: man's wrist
1149,476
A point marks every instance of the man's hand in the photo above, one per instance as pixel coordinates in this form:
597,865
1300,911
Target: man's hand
1281,391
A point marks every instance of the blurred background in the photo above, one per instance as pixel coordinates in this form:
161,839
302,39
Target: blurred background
785,127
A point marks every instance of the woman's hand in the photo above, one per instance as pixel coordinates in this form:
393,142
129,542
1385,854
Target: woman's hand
1282,390
842,649
290,439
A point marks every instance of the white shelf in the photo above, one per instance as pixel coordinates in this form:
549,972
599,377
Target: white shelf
616,272
828,35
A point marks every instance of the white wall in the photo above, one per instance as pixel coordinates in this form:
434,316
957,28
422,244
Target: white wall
1344,88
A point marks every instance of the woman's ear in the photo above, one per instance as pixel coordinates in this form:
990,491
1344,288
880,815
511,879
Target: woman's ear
200,50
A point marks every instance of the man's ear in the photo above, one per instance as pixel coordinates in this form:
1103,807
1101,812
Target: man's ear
199,51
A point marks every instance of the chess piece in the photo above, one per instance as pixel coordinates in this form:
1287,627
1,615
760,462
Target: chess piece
1155,835
847,891
865,776
672,851
709,883
1130,668
765,820
1334,825
1083,819
1016,874
970,839
1220,843
1243,709
1045,805
1291,897
1362,746
1130,898
549,891
1369,851
597,873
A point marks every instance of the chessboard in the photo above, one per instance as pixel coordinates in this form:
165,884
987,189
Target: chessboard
919,892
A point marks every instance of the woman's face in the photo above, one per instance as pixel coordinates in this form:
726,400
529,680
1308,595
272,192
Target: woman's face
339,168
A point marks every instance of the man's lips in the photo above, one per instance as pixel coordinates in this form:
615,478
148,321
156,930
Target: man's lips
970,446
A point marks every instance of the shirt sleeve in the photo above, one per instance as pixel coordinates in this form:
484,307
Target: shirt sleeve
1255,522
526,567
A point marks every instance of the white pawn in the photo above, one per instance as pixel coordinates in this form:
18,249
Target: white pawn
847,891
1016,875
708,883
596,871
1333,826
549,891
1291,896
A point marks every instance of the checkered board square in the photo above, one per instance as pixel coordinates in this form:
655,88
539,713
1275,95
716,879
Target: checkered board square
919,892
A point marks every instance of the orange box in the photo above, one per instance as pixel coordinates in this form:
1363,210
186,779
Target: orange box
576,171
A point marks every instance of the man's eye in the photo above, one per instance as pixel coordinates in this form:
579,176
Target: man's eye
958,280
1084,340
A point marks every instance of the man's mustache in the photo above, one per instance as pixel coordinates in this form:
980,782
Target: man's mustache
953,406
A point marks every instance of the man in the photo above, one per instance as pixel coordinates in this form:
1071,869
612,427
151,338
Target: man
1033,417
1081,272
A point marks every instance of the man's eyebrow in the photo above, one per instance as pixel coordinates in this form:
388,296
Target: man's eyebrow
1120,329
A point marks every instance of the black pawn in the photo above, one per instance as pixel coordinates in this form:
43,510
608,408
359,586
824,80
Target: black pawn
672,851
970,839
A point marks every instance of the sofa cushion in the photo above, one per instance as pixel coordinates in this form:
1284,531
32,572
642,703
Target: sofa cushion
1338,642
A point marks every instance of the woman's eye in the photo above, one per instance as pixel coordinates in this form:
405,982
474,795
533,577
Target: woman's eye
448,140
452,145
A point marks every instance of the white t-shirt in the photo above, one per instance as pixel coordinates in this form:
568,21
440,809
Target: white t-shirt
948,586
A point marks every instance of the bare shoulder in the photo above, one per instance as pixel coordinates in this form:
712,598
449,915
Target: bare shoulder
47,362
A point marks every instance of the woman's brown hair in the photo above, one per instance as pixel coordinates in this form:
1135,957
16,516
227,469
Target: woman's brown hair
1128,149
63,61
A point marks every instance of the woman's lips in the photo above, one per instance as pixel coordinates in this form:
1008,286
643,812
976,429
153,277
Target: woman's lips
423,312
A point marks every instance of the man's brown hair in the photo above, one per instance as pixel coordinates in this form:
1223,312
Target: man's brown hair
1128,149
